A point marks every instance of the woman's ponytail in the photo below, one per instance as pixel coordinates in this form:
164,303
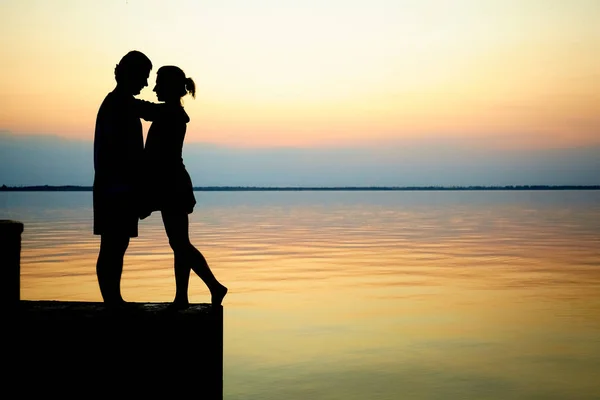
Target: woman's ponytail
190,86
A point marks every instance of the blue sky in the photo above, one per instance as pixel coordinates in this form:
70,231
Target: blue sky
306,92
51,160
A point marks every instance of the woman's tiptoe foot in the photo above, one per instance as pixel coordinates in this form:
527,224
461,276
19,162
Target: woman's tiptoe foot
217,295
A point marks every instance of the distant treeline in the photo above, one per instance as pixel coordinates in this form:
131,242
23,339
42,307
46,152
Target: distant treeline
71,188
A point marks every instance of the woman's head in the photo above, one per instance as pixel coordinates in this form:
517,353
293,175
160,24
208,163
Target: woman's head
172,84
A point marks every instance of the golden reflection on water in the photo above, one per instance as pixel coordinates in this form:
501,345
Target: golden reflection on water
378,295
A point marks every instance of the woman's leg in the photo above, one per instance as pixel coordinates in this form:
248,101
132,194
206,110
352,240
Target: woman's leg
188,257
182,280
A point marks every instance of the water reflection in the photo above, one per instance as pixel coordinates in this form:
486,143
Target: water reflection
355,295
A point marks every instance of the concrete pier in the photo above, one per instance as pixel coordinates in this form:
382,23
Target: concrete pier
142,350
84,349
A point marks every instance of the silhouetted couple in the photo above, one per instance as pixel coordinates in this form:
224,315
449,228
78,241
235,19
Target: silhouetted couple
131,181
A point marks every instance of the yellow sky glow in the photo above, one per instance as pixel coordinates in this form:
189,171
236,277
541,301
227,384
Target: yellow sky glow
308,73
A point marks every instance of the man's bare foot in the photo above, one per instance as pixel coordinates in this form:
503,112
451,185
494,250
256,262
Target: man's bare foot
115,303
120,307
217,294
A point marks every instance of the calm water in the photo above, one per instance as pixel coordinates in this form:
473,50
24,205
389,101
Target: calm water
364,295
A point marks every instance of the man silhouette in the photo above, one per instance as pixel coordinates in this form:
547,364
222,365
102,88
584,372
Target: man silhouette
118,151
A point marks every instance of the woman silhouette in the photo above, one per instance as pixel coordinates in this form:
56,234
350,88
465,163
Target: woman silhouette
169,187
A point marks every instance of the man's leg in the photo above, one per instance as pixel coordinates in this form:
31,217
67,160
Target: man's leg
110,267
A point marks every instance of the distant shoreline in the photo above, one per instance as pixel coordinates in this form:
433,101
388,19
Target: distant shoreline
71,188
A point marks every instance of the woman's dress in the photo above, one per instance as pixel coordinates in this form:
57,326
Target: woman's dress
168,185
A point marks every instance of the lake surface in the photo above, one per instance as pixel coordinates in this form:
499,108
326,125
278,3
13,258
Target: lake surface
364,295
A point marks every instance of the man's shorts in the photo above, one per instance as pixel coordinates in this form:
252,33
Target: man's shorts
115,214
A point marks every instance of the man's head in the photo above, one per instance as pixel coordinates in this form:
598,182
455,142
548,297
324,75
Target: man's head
132,72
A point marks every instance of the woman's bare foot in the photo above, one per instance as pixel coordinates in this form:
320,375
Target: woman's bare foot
180,302
217,294
178,305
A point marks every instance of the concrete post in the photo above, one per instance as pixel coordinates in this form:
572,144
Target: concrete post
10,259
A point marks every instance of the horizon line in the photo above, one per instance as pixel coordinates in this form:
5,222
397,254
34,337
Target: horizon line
230,188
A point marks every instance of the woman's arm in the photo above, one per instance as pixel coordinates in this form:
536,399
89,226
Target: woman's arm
147,110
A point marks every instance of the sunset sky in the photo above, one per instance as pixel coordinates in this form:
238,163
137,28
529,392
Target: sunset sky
515,75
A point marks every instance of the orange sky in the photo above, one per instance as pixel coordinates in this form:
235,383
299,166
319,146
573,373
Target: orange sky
310,73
